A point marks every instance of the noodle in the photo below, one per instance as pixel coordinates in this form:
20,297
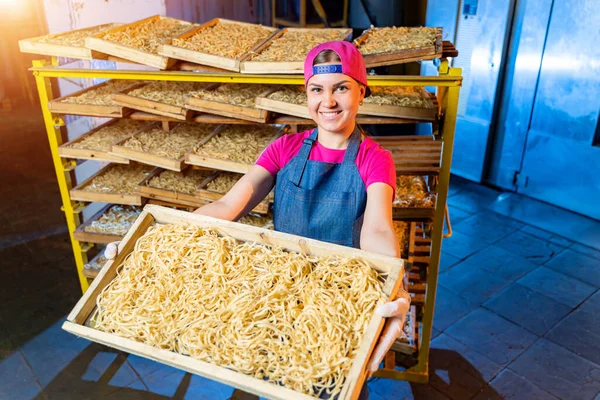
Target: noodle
290,318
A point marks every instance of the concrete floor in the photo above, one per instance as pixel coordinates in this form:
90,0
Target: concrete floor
516,312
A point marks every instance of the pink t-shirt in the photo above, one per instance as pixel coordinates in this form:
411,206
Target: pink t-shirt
375,164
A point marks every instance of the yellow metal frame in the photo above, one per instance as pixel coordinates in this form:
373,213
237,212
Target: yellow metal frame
448,84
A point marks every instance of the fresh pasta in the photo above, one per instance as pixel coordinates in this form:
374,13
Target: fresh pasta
290,318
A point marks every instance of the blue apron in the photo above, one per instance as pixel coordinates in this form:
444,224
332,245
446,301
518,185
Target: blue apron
320,200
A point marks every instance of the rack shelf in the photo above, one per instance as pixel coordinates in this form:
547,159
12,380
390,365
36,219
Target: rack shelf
425,252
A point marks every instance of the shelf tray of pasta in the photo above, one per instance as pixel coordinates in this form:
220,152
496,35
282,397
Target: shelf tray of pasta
411,102
235,100
154,146
413,200
226,322
93,267
140,41
285,99
159,97
95,101
115,183
219,183
396,45
220,43
175,187
233,148
66,44
108,225
96,144
285,51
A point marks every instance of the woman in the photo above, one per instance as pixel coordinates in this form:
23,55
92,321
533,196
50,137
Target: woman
331,183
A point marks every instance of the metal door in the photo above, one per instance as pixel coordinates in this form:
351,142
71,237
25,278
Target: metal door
548,142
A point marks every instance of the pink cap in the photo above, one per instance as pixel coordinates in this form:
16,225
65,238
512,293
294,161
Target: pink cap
352,62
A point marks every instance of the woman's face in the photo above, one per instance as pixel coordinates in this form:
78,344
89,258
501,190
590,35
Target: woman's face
333,101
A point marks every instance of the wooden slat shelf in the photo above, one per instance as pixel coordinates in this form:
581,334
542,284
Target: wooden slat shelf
94,237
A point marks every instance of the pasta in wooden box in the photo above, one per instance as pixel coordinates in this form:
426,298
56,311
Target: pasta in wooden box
290,352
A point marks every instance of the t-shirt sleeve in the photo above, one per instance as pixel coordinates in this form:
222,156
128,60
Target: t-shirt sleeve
380,167
269,159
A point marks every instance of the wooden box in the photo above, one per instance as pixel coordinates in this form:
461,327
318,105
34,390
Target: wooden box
222,164
413,155
131,53
428,113
253,113
79,193
78,320
249,66
81,235
282,107
67,151
178,112
94,110
400,56
213,60
170,196
92,268
209,196
43,44
148,158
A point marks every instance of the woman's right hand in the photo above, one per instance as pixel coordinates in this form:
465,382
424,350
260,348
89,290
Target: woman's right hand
111,251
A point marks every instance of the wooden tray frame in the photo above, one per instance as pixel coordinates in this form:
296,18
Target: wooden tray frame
247,66
413,155
151,106
93,110
282,107
170,196
80,315
192,158
34,46
66,151
198,57
400,56
149,158
92,273
429,113
93,237
228,110
77,193
210,196
131,53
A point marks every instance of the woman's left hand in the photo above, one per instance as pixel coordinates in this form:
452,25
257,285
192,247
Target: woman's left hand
395,312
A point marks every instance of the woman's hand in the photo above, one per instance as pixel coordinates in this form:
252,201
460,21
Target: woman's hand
395,312
111,250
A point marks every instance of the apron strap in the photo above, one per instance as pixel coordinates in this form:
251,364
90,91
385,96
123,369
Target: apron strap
353,146
303,156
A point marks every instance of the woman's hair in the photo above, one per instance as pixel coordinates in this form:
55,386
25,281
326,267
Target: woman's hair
326,56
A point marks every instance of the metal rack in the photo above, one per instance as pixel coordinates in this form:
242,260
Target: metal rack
447,82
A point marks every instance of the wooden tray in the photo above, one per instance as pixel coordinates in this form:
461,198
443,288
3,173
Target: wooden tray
67,151
413,155
210,196
37,45
77,193
265,103
400,56
192,158
213,60
105,111
428,113
229,110
149,158
90,272
169,196
80,315
131,53
151,106
93,237
280,67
